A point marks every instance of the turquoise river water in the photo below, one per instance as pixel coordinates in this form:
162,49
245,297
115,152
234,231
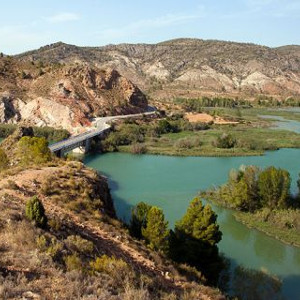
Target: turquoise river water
171,182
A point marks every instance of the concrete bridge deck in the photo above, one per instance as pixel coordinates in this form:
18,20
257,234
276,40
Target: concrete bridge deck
101,126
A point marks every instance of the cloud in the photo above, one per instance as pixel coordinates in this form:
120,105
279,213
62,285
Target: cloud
63,17
141,26
21,38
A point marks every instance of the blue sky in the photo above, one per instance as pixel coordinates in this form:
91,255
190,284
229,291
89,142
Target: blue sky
26,25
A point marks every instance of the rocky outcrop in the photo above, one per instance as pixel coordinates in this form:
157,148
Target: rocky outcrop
7,110
65,96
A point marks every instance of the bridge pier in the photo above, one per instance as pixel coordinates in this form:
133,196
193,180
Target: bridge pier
87,145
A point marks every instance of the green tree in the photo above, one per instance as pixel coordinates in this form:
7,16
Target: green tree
164,126
243,189
139,219
156,232
35,212
4,162
33,150
274,187
195,239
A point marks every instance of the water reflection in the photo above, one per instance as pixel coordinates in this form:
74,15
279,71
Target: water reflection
251,284
228,225
269,249
297,257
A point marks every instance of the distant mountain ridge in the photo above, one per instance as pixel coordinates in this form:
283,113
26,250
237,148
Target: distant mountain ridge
192,67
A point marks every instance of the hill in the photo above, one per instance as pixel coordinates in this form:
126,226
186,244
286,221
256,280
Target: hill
190,67
83,252
63,95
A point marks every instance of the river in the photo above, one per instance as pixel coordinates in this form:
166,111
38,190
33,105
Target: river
283,124
171,182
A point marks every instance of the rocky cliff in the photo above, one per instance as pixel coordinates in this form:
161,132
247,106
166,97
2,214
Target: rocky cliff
191,66
64,96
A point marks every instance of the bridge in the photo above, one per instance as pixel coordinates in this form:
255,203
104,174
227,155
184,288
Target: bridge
101,127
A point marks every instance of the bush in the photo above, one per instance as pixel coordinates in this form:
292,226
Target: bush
35,212
225,141
188,143
33,150
80,245
138,149
73,262
118,269
4,162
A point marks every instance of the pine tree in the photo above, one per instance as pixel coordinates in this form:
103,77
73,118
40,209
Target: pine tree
35,212
195,239
156,232
138,219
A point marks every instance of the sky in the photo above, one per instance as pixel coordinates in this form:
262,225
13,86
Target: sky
30,24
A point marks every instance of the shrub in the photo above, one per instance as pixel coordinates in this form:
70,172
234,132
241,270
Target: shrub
73,262
188,143
4,162
80,245
225,141
138,149
12,185
35,212
33,150
116,268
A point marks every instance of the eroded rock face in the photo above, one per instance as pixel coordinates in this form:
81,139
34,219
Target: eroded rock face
68,96
43,112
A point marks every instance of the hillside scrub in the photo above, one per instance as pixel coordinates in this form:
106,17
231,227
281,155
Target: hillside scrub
33,150
49,133
4,161
82,251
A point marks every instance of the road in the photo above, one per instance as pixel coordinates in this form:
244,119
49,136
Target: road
100,125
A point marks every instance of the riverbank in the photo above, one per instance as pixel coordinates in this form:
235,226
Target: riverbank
285,230
249,141
248,134
261,199
282,225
